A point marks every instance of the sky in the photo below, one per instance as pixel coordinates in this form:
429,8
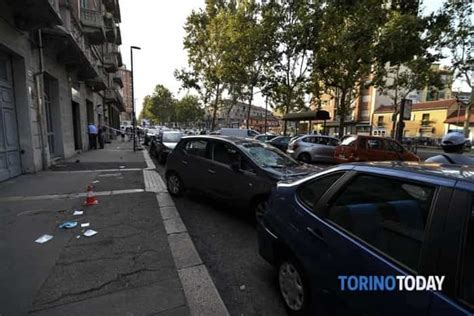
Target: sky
157,27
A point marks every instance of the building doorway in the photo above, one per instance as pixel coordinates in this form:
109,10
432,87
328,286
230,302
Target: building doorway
76,125
10,161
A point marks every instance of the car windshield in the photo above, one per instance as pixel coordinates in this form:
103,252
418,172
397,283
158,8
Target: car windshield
172,137
268,157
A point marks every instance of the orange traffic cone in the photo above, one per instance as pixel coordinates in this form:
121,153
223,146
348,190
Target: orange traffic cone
90,200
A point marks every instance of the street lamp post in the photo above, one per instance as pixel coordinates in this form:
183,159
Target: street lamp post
134,118
266,112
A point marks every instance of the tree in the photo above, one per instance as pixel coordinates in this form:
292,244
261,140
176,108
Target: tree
160,105
405,54
287,76
459,40
188,110
206,47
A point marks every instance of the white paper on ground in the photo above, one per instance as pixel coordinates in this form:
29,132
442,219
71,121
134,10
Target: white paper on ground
78,213
96,181
85,224
43,239
89,233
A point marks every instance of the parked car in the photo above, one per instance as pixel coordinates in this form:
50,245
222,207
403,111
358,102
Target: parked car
264,137
313,148
280,142
149,134
371,148
236,132
235,170
377,219
164,143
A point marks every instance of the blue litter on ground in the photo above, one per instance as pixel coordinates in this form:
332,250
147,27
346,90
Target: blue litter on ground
68,225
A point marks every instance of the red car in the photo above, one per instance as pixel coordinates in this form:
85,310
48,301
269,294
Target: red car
370,148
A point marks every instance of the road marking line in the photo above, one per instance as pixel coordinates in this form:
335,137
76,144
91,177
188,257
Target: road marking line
199,289
95,171
67,196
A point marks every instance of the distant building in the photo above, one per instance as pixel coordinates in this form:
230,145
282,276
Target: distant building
126,76
428,119
235,116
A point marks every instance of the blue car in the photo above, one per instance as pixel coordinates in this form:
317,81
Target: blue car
373,221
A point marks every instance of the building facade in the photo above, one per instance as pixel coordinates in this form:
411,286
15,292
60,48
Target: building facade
126,76
235,116
428,119
58,72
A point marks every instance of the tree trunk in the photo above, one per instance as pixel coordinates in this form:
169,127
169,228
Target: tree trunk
215,106
342,114
250,107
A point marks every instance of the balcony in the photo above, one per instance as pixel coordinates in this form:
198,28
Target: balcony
113,7
119,36
93,25
110,28
114,97
110,62
426,123
98,82
31,15
117,78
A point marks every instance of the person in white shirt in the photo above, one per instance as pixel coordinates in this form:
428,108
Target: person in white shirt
453,145
92,130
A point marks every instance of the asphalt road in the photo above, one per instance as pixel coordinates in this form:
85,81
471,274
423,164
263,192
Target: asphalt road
226,241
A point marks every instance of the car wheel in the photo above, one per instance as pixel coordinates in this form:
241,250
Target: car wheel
304,157
174,184
259,209
293,287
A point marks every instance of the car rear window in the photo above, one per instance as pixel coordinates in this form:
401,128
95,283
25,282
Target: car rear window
349,141
310,192
196,148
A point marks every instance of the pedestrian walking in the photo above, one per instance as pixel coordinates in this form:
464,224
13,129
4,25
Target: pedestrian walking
453,145
92,130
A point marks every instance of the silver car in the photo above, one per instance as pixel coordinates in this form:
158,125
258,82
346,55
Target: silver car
313,148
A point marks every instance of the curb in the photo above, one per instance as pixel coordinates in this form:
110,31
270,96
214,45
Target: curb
199,289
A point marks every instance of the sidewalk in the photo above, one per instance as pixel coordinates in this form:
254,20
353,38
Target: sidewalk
141,262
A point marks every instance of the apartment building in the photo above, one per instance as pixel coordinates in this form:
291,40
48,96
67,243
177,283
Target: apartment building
428,119
126,76
235,116
58,72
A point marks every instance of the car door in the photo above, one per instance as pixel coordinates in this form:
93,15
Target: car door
376,149
372,226
391,152
322,149
193,164
457,248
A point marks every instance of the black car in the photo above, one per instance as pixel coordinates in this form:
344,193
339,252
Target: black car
236,170
280,142
164,143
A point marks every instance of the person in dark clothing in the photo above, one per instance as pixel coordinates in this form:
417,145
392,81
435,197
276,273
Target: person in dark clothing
92,130
101,135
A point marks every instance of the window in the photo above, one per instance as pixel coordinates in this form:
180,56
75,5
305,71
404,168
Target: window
393,146
225,153
425,120
468,261
310,192
374,143
380,121
389,214
196,148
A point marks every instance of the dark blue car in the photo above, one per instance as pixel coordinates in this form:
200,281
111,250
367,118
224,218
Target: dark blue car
379,220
